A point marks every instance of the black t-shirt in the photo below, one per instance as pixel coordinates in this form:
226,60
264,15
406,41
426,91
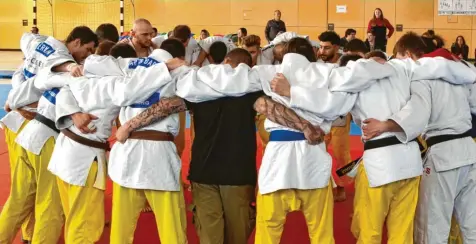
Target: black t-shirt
224,147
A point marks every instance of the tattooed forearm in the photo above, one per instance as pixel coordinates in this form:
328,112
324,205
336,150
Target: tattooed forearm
156,112
280,114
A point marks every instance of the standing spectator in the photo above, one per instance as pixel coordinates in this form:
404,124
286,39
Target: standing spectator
379,25
274,26
35,30
460,49
242,33
370,42
204,34
349,36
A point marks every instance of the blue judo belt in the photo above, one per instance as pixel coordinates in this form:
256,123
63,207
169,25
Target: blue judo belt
286,135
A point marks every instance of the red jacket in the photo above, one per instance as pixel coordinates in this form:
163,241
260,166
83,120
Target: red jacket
441,52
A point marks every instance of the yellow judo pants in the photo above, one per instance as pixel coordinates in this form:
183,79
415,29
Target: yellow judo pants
168,207
394,203
317,206
33,190
339,138
14,152
263,134
84,209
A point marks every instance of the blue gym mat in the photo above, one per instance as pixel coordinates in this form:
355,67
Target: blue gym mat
6,74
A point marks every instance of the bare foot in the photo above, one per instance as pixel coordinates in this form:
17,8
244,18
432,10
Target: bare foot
340,194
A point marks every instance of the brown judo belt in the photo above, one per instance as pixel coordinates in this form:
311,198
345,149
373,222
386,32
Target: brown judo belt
151,135
48,122
85,141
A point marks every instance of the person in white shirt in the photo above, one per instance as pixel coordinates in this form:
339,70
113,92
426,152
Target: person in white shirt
78,159
33,187
448,183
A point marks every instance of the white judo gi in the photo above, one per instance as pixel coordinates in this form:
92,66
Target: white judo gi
39,192
138,175
449,180
80,166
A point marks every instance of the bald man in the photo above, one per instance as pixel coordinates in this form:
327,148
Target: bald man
142,34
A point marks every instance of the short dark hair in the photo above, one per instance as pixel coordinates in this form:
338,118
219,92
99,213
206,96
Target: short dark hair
182,32
240,56
349,32
107,32
251,40
355,45
218,52
123,50
301,46
348,57
174,47
330,36
244,31
155,29
36,28
206,32
84,34
376,53
104,48
412,43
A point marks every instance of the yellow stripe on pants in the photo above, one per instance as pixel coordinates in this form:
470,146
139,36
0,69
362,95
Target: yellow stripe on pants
168,208
84,209
15,151
317,206
394,204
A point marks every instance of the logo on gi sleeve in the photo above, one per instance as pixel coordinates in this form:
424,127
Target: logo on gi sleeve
45,49
427,171
144,62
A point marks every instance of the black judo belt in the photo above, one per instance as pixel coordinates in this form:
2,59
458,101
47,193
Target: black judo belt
384,142
442,138
48,122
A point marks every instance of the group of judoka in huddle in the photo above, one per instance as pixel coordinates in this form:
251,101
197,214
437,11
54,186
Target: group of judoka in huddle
417,170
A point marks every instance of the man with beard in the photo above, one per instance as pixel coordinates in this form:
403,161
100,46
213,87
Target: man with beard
339,136
142,33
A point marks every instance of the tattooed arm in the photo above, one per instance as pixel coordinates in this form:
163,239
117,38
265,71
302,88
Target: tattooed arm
282,115
154,113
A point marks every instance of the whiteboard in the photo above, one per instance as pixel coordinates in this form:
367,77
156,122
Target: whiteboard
456,7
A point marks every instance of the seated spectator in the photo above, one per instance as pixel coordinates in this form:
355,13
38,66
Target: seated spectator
349,36
460,49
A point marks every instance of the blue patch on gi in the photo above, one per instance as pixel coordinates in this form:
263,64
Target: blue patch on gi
45,49
50,95
27,74
147,103
144,62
